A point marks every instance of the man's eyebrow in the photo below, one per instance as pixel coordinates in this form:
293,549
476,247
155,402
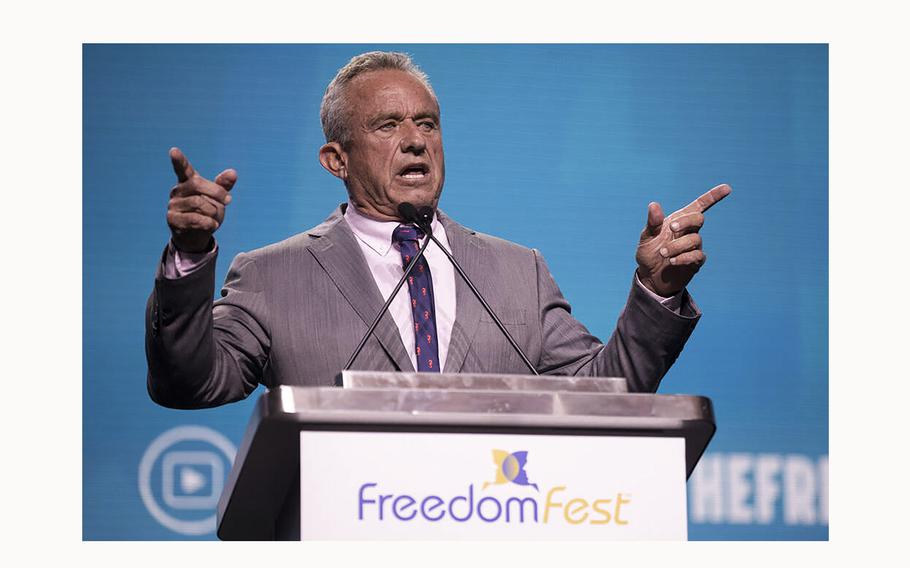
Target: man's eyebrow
394,115
385,116
427,114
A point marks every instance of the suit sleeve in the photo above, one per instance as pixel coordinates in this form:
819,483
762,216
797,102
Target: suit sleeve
202,354
647,340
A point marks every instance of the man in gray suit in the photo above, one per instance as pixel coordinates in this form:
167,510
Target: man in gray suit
293,312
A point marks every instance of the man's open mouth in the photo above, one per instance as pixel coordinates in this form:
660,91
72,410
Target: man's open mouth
414,172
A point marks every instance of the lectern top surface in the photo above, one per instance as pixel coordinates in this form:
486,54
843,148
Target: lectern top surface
482,407
482,381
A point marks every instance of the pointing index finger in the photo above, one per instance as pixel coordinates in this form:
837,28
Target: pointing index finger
182,166
709,199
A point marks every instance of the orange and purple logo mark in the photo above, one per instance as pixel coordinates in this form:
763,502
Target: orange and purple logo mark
510,467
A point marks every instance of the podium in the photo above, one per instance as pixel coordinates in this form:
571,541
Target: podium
451,456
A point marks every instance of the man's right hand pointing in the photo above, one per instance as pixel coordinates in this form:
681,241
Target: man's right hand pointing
669,250
196,207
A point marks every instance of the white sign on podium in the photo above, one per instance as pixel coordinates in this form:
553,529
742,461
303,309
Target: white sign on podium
447,486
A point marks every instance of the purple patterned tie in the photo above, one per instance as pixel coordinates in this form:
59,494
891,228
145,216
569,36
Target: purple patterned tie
420,285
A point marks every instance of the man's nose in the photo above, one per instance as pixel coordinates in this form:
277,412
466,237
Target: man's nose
412,140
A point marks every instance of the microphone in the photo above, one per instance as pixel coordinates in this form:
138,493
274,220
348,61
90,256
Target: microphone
410,215
425,218
422,218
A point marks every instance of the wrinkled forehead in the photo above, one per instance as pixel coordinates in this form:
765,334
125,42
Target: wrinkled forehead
389,91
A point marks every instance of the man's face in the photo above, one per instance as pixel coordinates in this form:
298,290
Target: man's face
395,149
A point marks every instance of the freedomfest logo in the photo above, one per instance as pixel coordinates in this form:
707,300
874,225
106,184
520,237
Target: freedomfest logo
556,505
181,476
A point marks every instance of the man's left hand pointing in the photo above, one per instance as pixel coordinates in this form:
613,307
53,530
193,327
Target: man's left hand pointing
669,251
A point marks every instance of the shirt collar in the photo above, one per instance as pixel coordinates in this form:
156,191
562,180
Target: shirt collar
375,234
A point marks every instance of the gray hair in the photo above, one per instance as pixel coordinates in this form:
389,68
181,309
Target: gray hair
333,112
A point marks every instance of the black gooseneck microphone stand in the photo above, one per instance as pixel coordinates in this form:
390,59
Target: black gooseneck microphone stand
423,218
385,307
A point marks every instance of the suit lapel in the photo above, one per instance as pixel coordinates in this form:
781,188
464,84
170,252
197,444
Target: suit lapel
340,256
468,249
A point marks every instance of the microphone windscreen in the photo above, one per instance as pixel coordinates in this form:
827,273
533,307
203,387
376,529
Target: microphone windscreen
425,216
408,212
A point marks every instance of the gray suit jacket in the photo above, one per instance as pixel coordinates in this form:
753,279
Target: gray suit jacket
292,313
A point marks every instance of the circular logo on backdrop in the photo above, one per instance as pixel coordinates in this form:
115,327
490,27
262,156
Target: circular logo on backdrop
181,476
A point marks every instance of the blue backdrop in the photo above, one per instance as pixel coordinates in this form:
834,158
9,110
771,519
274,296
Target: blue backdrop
586,133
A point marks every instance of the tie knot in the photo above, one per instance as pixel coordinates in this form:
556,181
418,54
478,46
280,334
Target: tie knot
404,233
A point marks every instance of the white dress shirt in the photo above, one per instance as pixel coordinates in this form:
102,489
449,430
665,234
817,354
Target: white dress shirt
384,260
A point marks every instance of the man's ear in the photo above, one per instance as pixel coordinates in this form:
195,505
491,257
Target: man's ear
334,159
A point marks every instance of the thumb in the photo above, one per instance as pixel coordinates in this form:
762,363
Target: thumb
655,219
227,179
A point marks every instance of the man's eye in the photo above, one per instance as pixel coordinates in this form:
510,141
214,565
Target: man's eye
428,125
388,126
